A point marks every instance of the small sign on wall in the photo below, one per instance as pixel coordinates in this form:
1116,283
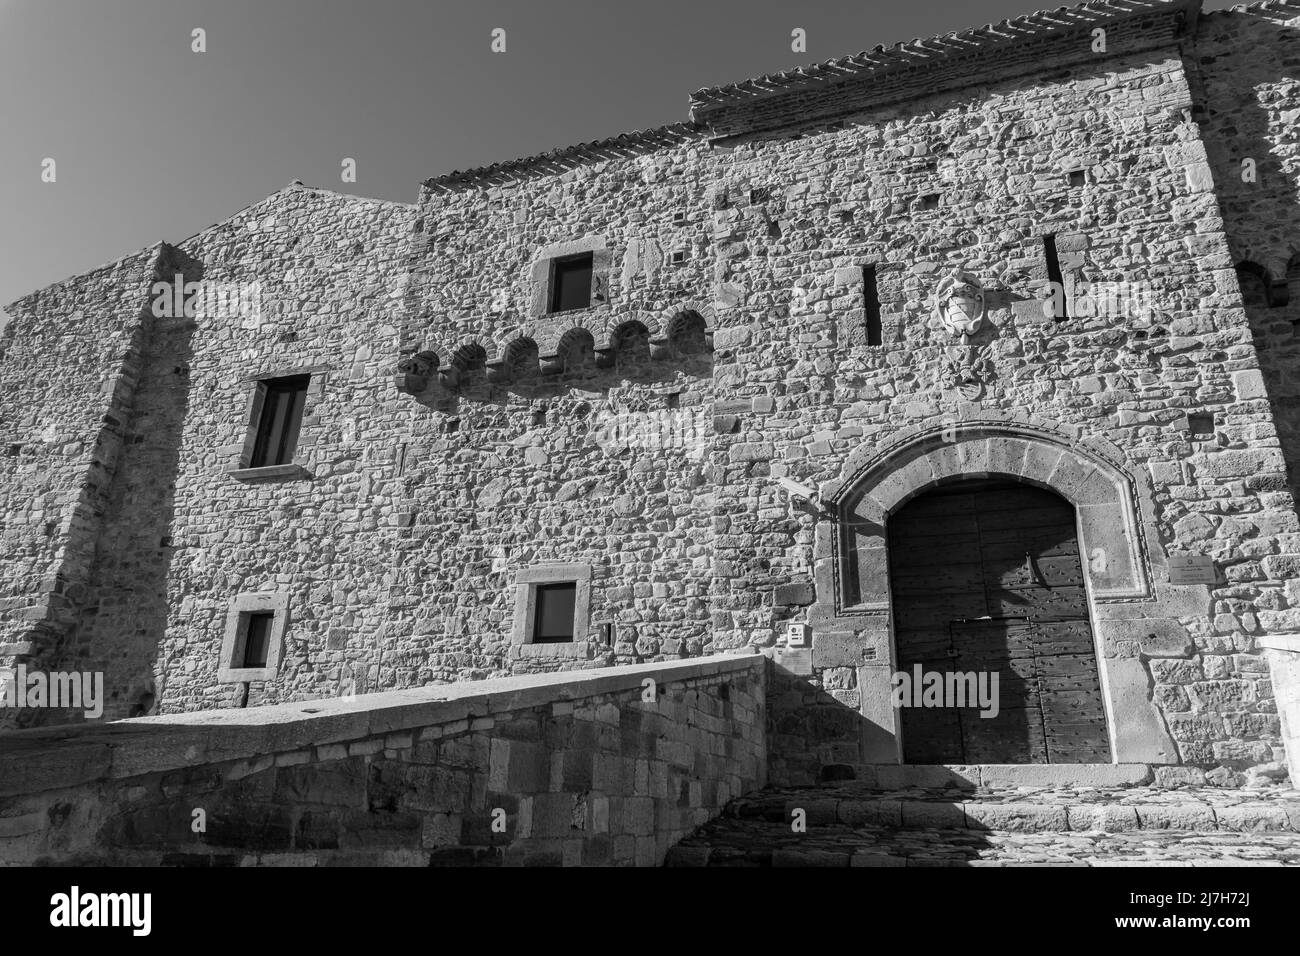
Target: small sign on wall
1191,569
796,635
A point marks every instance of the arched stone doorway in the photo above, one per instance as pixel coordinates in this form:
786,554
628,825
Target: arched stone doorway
990,605
1133,614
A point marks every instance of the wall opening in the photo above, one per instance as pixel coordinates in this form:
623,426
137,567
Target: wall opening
871,296
986,579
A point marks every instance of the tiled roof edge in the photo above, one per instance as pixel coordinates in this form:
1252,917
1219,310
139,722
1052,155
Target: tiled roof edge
932,50
564,158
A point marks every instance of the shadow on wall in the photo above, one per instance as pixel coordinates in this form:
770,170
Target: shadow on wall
815,739
121,632
1249,92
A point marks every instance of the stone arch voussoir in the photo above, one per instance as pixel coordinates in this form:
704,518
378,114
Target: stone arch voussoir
878,482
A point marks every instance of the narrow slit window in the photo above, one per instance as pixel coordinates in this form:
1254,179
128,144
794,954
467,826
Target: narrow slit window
553,617
1061,301
871,296
277,431
257,641
571,283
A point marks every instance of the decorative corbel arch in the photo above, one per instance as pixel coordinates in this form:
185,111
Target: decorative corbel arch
629,327
684,329
551,333
702,309
503,343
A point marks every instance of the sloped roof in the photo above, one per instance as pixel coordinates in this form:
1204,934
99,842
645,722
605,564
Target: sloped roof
566,157
931,50
709,105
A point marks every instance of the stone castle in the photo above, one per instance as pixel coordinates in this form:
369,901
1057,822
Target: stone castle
974,353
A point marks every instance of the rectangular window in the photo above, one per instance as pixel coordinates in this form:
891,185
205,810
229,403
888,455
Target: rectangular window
257,640
871,296
277,431
553,618
571,283
1058,290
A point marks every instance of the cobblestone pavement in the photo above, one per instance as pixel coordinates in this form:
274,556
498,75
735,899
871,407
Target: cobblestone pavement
848,825
1196,809
737,842
1134,796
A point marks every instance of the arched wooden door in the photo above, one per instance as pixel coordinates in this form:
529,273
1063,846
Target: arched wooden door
986,577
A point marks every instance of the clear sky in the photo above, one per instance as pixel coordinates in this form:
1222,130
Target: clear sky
154,141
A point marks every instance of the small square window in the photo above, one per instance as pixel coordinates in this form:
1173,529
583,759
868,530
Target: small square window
930,201
678,256
571,283
553,617
1078,179
679,217
257,639
255,629
280,421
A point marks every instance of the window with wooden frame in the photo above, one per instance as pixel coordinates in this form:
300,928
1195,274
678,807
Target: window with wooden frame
283,400
553,615
254,637
571,282
552,611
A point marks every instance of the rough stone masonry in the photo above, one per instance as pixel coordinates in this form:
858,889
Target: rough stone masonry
576,381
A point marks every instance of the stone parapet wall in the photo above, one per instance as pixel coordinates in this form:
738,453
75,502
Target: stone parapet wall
573,769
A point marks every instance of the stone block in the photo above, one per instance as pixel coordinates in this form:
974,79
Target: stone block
751,451
1015,817
1103,817
796,594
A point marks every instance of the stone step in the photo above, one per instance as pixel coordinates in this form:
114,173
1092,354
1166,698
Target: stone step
1023,809
755,843
971,776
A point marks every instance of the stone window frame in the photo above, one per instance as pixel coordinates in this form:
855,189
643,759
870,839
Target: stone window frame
242,606
541,274
521,632
255,397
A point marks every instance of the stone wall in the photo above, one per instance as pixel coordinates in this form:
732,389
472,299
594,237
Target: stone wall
573,769
71,359
1146,212
423,500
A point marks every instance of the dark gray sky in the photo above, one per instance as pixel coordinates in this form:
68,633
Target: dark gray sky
152,141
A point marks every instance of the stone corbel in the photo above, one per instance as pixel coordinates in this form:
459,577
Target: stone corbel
414,372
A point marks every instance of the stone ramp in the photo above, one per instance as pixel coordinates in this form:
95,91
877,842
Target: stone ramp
848,825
